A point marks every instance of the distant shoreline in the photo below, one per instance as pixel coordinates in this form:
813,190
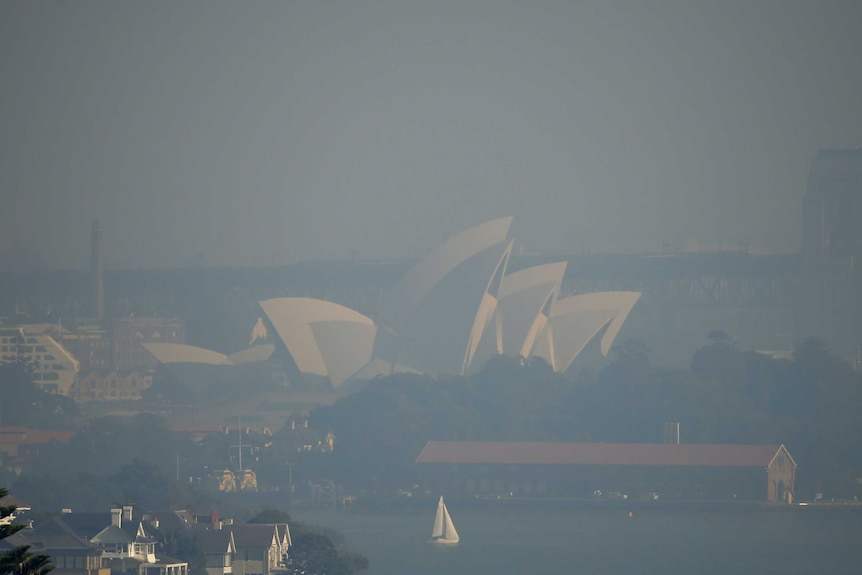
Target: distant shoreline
491,502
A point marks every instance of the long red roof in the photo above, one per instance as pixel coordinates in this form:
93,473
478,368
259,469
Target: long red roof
530,453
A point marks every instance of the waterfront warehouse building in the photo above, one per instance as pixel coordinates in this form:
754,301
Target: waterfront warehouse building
632,470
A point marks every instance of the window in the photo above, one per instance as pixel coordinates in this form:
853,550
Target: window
50,376
41,348
49,358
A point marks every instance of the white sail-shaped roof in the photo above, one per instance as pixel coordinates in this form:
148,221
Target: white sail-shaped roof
421,279
168,353
260,352
431,320
523,296
576,320
436,338
345,346
292,318
566,336
540,321
487,309
181,353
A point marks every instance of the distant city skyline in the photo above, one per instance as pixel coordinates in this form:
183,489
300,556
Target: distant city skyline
269,133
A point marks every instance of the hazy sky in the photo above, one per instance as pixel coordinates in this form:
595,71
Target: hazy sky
274,132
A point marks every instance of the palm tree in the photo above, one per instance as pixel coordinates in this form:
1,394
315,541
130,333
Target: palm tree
19,560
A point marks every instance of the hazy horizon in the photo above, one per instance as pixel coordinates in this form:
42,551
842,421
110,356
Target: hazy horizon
267,132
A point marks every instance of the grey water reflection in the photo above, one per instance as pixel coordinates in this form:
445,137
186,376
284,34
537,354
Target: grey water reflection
660,541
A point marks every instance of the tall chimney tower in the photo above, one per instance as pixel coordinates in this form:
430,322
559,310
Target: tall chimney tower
97,275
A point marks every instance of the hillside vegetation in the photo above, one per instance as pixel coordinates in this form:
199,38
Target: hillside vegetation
812,403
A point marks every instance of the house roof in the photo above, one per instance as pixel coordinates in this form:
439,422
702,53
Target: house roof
215,541
254,535
284,533
25,435
98,526
171,520
9,501
87,524
56,534
112,535
526,453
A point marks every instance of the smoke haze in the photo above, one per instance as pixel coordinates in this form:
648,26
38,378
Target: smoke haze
273,132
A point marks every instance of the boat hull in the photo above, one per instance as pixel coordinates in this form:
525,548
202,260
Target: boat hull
444,541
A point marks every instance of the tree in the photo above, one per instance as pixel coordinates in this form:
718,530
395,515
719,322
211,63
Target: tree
315,553
271,516
19,560
25,404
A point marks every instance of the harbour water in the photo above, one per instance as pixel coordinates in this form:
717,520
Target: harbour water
659,539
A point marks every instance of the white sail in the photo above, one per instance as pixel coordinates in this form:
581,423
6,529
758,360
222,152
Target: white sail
444,530
449,532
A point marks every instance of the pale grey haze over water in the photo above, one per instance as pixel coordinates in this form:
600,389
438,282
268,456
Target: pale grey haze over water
657,541
270,132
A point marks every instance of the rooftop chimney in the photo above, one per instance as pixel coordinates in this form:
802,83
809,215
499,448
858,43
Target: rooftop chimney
117,517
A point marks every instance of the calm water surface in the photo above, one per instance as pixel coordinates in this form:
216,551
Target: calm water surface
512,541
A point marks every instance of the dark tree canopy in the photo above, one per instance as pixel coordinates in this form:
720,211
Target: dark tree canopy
23,403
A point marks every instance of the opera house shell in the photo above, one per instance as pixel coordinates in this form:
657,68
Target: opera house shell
577,320
200,370
453,310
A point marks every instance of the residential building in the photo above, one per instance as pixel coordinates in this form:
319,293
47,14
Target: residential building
127,545
219,549
69,553
111,386
259,549
91,346
54,367
20,507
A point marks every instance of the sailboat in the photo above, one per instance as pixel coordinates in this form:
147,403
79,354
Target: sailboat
444,530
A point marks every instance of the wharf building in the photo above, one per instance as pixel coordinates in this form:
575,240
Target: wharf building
617,470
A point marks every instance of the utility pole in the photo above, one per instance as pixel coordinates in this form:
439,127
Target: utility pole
239,430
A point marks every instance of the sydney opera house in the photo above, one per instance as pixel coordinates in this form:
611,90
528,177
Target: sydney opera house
452,311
